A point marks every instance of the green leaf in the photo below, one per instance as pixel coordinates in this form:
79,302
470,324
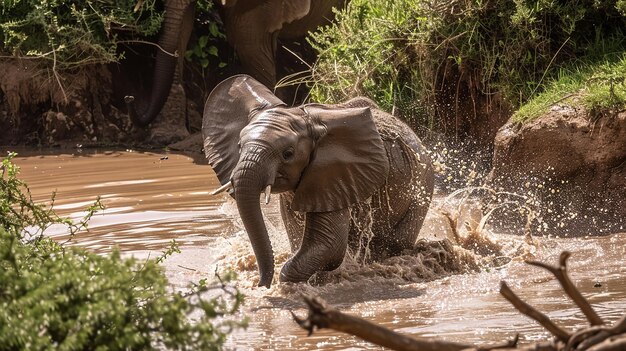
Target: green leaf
203,41
214,30
213,51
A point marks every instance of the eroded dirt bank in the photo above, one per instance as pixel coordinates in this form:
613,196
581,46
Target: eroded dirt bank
572,164
41,107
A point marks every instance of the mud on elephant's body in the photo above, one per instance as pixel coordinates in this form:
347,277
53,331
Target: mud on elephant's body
349,175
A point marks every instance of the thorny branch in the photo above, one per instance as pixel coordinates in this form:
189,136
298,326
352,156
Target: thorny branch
597,337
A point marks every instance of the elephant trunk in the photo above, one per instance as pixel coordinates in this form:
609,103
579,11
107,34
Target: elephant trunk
250,178
175,33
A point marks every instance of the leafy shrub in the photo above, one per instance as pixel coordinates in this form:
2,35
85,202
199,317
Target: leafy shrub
52,296
210,35
403,54
74,33
364,52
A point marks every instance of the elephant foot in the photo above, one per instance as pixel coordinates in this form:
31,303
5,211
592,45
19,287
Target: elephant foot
169,127
295,271
290,273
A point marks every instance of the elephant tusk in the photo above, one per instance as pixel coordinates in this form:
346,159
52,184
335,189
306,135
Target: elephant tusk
228,186
268,191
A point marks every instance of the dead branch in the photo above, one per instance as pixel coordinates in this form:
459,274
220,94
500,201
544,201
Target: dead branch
616,343
531,312
320,316
561,275
619,327
582,335
511,344
594,338
597,336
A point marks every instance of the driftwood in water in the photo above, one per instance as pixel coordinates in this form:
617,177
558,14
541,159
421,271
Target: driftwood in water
596,337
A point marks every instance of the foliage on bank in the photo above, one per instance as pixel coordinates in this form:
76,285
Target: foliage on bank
69,34
599,87
74,33
55,296
404,53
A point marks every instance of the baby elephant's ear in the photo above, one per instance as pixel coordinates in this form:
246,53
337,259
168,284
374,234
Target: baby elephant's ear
227,110
349,163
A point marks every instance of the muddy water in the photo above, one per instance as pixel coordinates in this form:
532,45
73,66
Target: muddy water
152,198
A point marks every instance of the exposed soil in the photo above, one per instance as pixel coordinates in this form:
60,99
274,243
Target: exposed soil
466,113
573,164
41,108
86,106
38,107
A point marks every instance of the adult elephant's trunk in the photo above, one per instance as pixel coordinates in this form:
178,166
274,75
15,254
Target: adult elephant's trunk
175,33
250,177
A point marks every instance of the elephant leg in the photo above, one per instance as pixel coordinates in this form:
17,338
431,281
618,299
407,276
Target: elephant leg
294,221
257,54
401,236
406,231
323,245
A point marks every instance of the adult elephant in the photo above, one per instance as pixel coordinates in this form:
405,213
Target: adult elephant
252,28
349,175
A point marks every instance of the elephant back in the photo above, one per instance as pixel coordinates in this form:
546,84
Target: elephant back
393,129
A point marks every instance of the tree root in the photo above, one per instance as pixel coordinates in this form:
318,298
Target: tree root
596,337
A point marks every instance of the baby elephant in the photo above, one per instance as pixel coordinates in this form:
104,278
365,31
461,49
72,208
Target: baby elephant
349,175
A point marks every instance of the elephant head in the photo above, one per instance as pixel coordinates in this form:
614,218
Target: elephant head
329,157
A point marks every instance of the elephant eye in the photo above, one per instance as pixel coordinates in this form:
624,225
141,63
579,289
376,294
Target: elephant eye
288,154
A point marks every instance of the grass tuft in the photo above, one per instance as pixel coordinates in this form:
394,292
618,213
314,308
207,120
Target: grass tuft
599,88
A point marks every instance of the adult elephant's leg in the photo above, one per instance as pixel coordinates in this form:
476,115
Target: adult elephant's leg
255,46
323,245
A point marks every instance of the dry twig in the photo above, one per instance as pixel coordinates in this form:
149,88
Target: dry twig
320,316
531,312
594,338
560,273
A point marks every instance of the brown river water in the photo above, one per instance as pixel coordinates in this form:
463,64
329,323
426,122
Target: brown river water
154,197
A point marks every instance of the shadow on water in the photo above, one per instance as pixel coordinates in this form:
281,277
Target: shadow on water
447,288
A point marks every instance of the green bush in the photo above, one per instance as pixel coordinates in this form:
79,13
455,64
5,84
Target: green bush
74,33
209,34
404,53
366,52
66,298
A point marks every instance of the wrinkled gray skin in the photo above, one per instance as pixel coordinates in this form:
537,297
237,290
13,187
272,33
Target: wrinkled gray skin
343,171
252,28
